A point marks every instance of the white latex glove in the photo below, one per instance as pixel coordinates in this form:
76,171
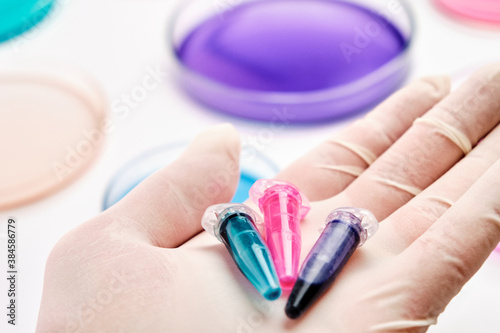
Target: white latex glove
144,266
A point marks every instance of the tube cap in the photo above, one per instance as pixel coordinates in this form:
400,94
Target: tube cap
363,217
215,214
262,185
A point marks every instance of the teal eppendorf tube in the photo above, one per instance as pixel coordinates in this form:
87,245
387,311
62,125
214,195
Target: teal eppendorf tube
234,226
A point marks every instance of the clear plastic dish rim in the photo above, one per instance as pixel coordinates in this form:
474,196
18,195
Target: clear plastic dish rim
283,98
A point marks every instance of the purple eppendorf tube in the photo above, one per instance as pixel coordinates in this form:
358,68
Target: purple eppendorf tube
346,229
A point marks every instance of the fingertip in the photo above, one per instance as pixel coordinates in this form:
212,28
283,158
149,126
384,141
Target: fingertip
439,85
169,204
222,138
490,72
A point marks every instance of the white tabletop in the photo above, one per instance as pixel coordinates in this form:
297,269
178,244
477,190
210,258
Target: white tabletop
116,41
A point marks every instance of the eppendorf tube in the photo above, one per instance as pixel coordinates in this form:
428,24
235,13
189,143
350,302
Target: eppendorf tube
346,229
234,226
283,207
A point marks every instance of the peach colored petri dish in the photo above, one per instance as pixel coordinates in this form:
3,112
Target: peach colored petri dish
53,125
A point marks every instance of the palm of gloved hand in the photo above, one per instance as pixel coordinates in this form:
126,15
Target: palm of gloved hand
138,267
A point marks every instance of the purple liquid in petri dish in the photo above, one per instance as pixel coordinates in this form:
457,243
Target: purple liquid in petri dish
319,59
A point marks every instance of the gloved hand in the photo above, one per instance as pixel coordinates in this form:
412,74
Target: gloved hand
145,266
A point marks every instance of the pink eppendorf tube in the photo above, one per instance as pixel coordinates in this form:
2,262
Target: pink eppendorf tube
283,206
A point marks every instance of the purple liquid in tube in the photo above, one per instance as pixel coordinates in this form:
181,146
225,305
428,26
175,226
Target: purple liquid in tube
293,46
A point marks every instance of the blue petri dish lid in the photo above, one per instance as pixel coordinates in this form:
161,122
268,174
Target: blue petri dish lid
318,59
18,16
253,166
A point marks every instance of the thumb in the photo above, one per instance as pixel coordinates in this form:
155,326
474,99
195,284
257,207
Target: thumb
169,204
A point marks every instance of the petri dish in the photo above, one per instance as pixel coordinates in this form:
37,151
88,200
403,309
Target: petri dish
316,59
459,77
51,130
477,10
253,166
18,16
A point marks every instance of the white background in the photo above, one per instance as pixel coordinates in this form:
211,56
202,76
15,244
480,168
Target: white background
116,40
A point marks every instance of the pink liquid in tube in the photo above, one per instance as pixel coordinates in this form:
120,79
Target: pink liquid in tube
283,207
